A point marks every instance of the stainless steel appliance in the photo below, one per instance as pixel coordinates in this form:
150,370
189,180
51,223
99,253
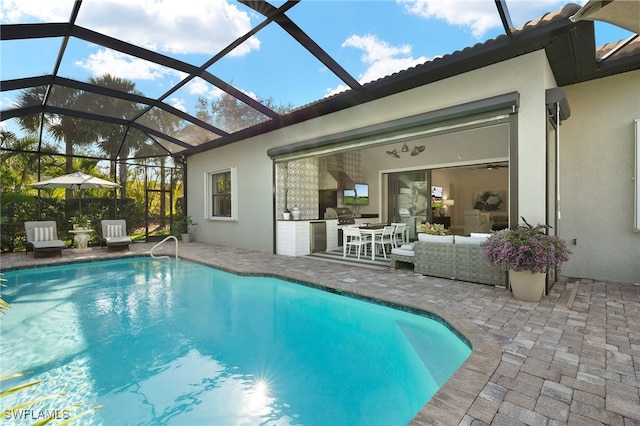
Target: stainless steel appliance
318,236
345,216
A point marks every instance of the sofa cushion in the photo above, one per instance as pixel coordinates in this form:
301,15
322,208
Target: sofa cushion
403,252
469,240
442,239
479,235
408,246
50,244
118,240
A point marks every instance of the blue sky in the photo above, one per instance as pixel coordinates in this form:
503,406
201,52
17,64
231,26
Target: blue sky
370,39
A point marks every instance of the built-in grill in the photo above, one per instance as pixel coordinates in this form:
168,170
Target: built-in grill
344,215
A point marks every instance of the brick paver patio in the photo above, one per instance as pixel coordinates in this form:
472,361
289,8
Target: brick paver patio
573,358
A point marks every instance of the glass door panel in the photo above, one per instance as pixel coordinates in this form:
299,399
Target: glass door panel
409,199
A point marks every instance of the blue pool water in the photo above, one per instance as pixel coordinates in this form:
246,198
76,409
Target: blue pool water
178,343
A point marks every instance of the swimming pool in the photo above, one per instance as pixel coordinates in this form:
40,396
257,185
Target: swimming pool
161,342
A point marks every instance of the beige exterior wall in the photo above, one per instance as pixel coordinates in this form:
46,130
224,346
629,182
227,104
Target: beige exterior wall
529,75
596,160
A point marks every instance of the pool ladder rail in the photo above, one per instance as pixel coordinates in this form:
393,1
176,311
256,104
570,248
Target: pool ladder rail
170,237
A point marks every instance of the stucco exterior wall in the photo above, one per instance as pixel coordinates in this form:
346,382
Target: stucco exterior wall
596,160
529,75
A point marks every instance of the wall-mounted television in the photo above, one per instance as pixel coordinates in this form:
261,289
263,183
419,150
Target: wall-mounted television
436,197
359,196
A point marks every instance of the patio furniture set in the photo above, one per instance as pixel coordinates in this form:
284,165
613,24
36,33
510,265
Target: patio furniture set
450,256
42,237
378,237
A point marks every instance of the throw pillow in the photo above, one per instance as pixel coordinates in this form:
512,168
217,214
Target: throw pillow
114,231
45,233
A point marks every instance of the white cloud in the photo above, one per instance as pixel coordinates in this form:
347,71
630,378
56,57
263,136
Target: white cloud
199,87
375,50
178,103
382,59
124,66
174,26
334,91
19,11
478,15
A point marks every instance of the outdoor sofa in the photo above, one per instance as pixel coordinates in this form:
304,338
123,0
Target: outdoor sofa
454,257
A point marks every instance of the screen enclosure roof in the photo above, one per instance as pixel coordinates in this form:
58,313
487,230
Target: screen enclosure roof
157,78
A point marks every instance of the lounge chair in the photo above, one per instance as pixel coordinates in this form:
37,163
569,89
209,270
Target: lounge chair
114,234
42,238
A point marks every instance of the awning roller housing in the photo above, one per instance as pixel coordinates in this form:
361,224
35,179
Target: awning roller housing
472,114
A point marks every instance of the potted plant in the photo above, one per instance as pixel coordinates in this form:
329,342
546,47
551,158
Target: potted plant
181,228
527,252
435,229
79,222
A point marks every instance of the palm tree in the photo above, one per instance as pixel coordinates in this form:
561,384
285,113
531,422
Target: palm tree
110,136
74,132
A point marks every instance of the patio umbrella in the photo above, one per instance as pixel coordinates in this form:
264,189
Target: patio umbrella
76,180
622,13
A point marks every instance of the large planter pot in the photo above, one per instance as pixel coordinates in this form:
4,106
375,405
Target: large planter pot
527,286
186,238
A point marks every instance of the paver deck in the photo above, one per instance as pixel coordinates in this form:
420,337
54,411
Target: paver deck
572,358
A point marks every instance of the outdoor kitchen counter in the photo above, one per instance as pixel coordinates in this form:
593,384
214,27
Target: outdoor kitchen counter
293,237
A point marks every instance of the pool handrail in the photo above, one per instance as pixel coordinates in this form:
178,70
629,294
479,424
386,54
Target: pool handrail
170,237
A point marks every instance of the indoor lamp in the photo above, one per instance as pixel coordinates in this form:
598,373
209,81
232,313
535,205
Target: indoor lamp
446,204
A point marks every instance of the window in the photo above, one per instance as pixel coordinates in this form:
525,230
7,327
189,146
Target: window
221,194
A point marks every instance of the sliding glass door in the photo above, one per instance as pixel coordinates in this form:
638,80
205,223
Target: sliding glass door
409,199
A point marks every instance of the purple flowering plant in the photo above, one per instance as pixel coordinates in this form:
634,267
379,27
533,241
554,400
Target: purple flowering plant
525,248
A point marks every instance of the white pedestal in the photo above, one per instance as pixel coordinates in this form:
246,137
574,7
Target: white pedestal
81,238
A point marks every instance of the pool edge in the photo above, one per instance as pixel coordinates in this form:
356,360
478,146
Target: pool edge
452,402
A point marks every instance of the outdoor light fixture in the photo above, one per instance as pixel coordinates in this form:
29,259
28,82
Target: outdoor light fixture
393,153
405,148
417,150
